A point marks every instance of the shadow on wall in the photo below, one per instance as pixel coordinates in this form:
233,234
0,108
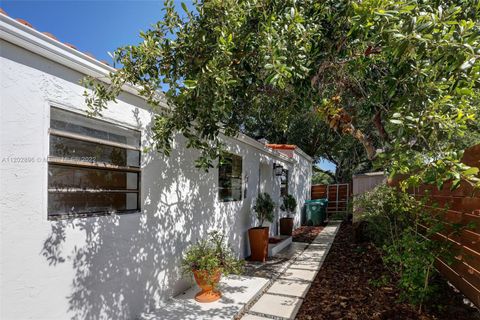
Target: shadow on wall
127,264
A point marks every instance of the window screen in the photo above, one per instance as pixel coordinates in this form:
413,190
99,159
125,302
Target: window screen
93,167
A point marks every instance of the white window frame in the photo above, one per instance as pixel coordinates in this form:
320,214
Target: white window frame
52,160
242,196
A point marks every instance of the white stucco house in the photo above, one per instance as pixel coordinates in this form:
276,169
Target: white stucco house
92,225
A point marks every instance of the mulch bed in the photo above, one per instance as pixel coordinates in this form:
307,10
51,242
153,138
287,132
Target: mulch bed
306,234
343,289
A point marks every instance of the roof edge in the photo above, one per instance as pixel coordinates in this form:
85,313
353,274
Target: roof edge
37,42
276,146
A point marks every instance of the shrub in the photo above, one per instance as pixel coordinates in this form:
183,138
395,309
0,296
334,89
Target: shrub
289,204
387,212
396,223
263,208
210,255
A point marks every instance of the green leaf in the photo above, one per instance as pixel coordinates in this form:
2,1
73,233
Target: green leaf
471,171
455,184
184,7
190,84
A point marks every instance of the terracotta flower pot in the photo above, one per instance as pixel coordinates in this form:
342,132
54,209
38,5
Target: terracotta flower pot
208,285
286,226
258,238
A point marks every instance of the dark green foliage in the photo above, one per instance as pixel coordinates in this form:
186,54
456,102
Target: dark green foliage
322,177
289,204
210,255
402,77
263,208
387,211
396,223
312,135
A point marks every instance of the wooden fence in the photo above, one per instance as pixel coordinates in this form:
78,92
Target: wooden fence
338,195
461,206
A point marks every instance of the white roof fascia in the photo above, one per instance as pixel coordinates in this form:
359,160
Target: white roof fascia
303,154
261,147
32,40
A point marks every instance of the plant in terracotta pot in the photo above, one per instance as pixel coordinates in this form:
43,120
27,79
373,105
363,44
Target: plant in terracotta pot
258,236
208,259
289,205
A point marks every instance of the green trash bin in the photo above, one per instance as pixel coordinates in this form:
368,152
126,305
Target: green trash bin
315,212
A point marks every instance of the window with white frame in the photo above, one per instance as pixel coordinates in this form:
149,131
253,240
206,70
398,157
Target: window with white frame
93,167
230,178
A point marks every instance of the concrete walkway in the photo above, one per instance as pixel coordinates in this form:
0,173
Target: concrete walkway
292,277
271,290
237,292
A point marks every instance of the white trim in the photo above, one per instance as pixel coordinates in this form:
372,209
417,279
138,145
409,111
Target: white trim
36,42
70,107
240,137
46,153
303,154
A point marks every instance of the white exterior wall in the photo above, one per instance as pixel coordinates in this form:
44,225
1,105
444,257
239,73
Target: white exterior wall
300,180
111,267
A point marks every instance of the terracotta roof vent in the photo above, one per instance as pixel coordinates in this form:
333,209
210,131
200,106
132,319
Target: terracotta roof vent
48,34
70,45
281,146
24,22
3,12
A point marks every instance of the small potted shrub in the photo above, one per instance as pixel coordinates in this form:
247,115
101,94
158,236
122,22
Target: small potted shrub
258,236
286,223
208,259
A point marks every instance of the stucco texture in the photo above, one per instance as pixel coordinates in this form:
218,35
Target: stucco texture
111,267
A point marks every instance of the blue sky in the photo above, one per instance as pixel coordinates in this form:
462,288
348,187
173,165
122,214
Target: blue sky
325,165
95,26
91,25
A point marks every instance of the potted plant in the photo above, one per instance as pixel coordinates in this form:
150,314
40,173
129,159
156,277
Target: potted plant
258,236
286,223
208,259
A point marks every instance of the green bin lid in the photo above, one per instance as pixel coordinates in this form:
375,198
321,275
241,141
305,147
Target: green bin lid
319,201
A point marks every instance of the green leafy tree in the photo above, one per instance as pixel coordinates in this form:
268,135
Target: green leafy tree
395,76
322,177
314,136
411,71
224,65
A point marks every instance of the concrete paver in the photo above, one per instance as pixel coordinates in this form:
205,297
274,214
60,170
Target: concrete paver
299,274
277,306
292,281
306,264
316,256
254,317
237,292
289,288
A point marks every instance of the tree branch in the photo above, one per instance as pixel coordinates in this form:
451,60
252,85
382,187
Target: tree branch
377,121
